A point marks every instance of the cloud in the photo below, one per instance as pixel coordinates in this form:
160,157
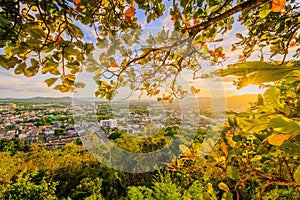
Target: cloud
6,73
89,34
167,23
19,87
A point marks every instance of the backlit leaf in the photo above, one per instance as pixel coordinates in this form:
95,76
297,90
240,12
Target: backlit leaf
50,81
254,125
130,12
265,10
114,64
224,148
20,69
277,140
256,72
55,71
278,5
232,172
285,125
194,90
223,187
271,97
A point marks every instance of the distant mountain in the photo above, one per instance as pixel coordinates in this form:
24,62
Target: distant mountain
234,103
38,99
240,102
50,98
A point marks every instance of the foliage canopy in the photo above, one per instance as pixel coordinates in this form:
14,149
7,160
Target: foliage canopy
50,37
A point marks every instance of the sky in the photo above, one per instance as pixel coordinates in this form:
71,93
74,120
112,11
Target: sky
18,86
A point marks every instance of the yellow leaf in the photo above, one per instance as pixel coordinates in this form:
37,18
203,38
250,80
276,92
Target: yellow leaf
34,8
230,141
277,140
195,90
204,47
277,5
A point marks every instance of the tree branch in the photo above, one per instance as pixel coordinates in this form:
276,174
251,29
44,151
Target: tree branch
268,183
193,31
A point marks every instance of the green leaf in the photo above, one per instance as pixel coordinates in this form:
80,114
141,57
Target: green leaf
285,125
50,81
227,196
240,36
4,23
272,99
265,10
8,51
33,43
34,62
21,68
88,48
254,125
50,66
263,76
76,30
8,63
213,8
48,48
207,174
101,44
69,50
36,32
297,174
232,172
32,70
260,100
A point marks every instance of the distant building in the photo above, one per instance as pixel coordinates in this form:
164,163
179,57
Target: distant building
110,123
8,135
128,130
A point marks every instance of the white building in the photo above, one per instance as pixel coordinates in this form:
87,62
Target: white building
110,123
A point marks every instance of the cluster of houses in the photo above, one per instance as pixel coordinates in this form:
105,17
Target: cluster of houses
17,122
137,122
24,122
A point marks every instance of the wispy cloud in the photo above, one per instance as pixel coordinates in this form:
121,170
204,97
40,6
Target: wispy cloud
19,86
167,23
